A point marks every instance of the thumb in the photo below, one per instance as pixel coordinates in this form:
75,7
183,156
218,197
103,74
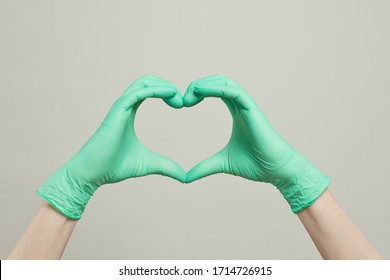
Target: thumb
159,164
212,165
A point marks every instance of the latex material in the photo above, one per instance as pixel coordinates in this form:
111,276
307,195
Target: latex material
255,150
113,153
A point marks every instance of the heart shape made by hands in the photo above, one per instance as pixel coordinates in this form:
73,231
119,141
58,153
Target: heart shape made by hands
114,153
255,151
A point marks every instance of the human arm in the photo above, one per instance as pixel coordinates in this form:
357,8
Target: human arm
46,237
333,233
112,154
256,152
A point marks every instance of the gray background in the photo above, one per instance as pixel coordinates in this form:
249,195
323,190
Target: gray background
318,69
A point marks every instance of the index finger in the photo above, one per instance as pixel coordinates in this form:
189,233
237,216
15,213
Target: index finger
222,87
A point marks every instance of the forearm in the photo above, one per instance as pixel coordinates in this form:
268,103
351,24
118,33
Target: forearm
333,233
46,237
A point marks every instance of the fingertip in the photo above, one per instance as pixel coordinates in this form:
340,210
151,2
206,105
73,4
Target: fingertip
175,101
198,173
190,99
182,178
186,179
190,177
177,173
167,167
212,165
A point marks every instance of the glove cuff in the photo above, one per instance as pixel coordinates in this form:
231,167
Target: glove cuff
303,188
68,196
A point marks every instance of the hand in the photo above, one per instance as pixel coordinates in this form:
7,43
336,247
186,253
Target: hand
255,150
114,152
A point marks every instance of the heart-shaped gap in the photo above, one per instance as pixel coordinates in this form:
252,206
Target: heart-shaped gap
186,135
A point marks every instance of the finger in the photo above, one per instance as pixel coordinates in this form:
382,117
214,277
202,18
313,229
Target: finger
213,165
190,99
159,164
217,91
230,104
148,81
199,92
128,101
229,89
176,101
206,79
234,94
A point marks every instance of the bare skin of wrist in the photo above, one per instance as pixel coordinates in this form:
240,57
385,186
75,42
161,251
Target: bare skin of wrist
46,237
333,233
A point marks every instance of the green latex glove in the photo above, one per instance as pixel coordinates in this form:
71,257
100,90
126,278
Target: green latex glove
255,151
113,153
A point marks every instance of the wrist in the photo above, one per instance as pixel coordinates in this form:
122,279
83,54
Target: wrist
304,187
68,194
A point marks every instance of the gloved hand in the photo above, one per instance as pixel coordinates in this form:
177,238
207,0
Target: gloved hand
255,151
113,153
